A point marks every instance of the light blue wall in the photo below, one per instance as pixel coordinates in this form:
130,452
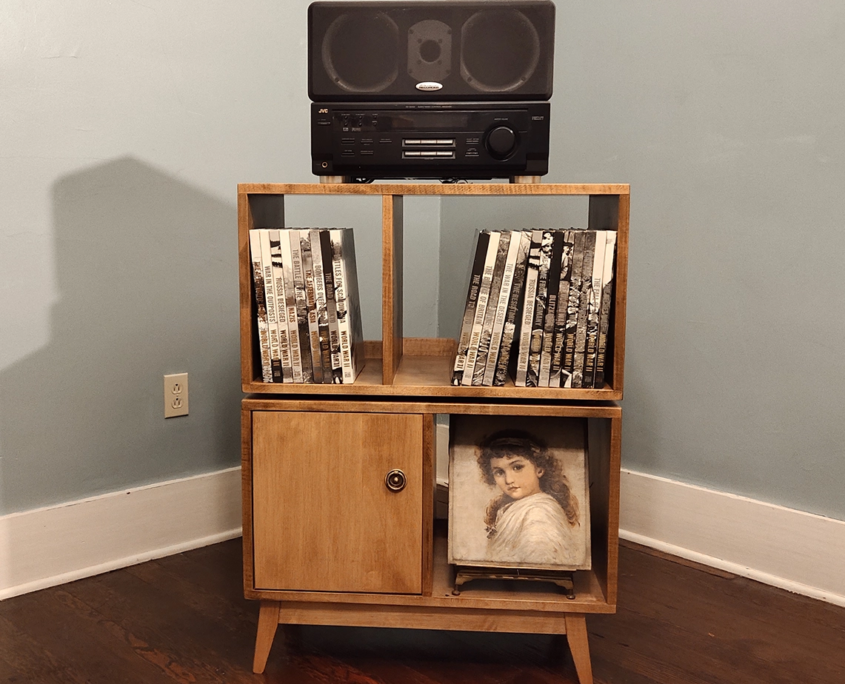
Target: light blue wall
125,127
725,117
124,130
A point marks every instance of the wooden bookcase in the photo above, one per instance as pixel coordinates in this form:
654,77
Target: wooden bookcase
325,541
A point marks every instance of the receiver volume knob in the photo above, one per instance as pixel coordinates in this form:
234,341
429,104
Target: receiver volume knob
501,141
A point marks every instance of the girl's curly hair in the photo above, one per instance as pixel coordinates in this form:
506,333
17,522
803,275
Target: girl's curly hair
521,443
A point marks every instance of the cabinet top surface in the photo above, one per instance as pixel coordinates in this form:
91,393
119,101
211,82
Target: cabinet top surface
514,189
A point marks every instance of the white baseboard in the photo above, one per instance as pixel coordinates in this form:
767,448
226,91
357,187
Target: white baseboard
57,544
786,548
797,551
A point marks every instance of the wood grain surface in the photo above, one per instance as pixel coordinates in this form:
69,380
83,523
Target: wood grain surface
323,517
184,619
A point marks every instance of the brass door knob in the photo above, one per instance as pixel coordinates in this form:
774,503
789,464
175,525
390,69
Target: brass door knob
395,480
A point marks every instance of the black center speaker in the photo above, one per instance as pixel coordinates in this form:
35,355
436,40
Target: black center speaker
378,51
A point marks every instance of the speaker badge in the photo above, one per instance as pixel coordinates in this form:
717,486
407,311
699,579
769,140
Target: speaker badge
429,86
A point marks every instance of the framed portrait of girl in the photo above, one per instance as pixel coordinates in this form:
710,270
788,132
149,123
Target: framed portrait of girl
518,493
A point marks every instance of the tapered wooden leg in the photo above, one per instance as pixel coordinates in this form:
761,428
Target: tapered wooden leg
576,635
268,620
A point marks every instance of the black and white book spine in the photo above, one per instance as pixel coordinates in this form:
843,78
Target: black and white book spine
583,307
502,308
481,243
301,306
346,299
572,309
278,283
311,304
552,289
353,303
562,305
290,308
260,305
320,297
604,312
593,310
481,307
492,308
331,307
340,300
514,310
269,250
532,377
532,274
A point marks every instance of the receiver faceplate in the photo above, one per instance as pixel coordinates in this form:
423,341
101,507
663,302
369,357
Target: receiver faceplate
466,140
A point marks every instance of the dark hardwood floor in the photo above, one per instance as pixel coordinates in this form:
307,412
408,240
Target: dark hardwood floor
183,619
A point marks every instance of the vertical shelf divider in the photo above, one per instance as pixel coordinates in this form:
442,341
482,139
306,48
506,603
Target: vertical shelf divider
621,290
429,484
614,477
245,224
392,277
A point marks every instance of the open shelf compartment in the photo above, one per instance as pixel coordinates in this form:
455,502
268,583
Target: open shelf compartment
419,367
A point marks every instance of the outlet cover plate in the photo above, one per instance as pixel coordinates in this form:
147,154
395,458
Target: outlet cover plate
175,395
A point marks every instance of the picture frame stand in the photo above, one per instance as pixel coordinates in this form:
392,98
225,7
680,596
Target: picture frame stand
565,580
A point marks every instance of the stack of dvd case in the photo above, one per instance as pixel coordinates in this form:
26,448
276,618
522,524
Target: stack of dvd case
307,307
538,309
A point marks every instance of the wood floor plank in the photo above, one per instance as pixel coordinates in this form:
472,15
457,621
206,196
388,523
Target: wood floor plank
23,659
87,645
705,601
213,568
175,585
432,657
195,644
184,619
169,662
754,627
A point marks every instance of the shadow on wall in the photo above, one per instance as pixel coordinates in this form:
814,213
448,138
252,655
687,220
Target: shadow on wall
147,272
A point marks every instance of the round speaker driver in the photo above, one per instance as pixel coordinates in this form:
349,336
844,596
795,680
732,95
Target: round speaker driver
500,50
360,52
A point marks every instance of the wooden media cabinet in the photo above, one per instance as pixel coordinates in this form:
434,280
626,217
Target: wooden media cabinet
325,541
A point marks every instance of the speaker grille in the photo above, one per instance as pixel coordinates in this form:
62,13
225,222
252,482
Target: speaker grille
511,63
360,52
427,50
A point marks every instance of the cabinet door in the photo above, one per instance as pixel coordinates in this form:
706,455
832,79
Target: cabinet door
323,517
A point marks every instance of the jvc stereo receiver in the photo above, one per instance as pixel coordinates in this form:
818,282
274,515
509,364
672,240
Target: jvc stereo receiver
474,140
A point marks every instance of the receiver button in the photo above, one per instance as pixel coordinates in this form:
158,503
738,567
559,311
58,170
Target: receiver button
501,141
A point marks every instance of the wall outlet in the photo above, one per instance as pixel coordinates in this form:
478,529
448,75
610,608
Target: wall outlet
175,395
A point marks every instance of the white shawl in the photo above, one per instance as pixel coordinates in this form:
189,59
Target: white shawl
533,531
